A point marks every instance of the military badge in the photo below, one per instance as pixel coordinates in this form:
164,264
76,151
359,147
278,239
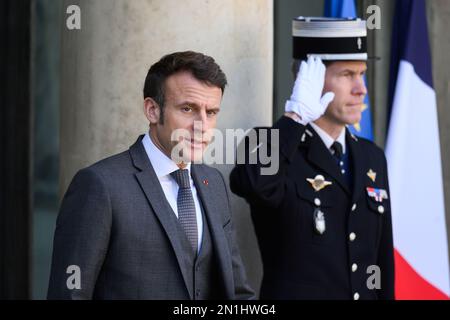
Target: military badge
377,194
372,175
319,221
319,182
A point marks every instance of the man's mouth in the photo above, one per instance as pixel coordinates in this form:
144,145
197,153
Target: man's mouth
355,105
197,143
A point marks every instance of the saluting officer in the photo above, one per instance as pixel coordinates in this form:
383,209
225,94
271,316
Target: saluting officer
323,221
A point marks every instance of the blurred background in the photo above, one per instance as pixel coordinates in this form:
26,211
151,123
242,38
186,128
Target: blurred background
72,97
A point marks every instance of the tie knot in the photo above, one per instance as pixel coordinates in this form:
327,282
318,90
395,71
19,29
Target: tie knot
337,148
181,176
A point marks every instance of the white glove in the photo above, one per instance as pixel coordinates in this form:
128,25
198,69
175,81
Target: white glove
306,100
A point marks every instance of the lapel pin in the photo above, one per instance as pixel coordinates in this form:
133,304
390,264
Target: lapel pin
319,182
372,175
205,182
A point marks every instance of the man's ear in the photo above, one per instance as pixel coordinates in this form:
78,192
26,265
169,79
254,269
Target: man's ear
152,110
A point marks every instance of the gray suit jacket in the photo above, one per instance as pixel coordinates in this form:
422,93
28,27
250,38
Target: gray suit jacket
116,225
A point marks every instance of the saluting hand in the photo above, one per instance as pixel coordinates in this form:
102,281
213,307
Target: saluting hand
306,99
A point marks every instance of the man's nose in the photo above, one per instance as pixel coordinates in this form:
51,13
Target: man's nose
203,118
200,123
359,87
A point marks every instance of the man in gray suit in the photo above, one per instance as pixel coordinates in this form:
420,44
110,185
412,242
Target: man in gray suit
144,224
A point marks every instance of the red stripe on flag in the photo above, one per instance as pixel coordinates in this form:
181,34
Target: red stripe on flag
409,285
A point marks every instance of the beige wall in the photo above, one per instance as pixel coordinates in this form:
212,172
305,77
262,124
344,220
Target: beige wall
103,67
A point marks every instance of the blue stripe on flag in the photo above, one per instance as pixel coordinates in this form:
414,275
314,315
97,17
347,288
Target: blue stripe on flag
405,46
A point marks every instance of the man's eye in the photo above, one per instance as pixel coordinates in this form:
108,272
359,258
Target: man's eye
212,113
187,109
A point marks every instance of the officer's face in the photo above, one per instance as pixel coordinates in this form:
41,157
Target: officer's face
190,105
345,79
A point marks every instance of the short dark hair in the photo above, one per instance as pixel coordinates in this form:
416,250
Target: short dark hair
202,67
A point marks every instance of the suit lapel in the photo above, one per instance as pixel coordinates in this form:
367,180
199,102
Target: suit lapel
210,198
153,191
319,155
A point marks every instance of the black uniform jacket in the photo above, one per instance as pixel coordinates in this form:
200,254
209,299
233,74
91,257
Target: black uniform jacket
353,257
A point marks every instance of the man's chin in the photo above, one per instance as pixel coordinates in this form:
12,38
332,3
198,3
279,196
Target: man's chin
353,121
193,154
353,118
187,152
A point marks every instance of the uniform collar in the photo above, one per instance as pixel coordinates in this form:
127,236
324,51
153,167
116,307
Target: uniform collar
327,139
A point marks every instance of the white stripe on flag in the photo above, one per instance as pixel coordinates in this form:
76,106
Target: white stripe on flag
415,178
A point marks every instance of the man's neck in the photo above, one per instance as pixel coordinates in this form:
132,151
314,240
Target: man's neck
333,130
154,139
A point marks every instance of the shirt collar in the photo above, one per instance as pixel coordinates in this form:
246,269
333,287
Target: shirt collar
327,140
161,163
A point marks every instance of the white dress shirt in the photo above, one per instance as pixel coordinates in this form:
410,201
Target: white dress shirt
163,166
327,139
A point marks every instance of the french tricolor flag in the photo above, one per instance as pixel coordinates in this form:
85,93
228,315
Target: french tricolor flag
414,163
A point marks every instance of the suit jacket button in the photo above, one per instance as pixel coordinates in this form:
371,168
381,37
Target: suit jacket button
354,267
352,236
317,202
354,207
380,209
356,296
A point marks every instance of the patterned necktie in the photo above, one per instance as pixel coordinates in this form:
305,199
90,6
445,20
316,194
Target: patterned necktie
186,206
